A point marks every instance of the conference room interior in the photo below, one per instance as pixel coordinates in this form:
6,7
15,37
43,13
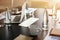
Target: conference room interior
29,19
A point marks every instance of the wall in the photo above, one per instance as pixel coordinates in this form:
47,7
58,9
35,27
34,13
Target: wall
8,3
39,3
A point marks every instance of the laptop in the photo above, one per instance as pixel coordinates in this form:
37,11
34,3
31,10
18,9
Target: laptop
16,19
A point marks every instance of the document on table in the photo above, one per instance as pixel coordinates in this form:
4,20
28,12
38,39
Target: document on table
28,22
